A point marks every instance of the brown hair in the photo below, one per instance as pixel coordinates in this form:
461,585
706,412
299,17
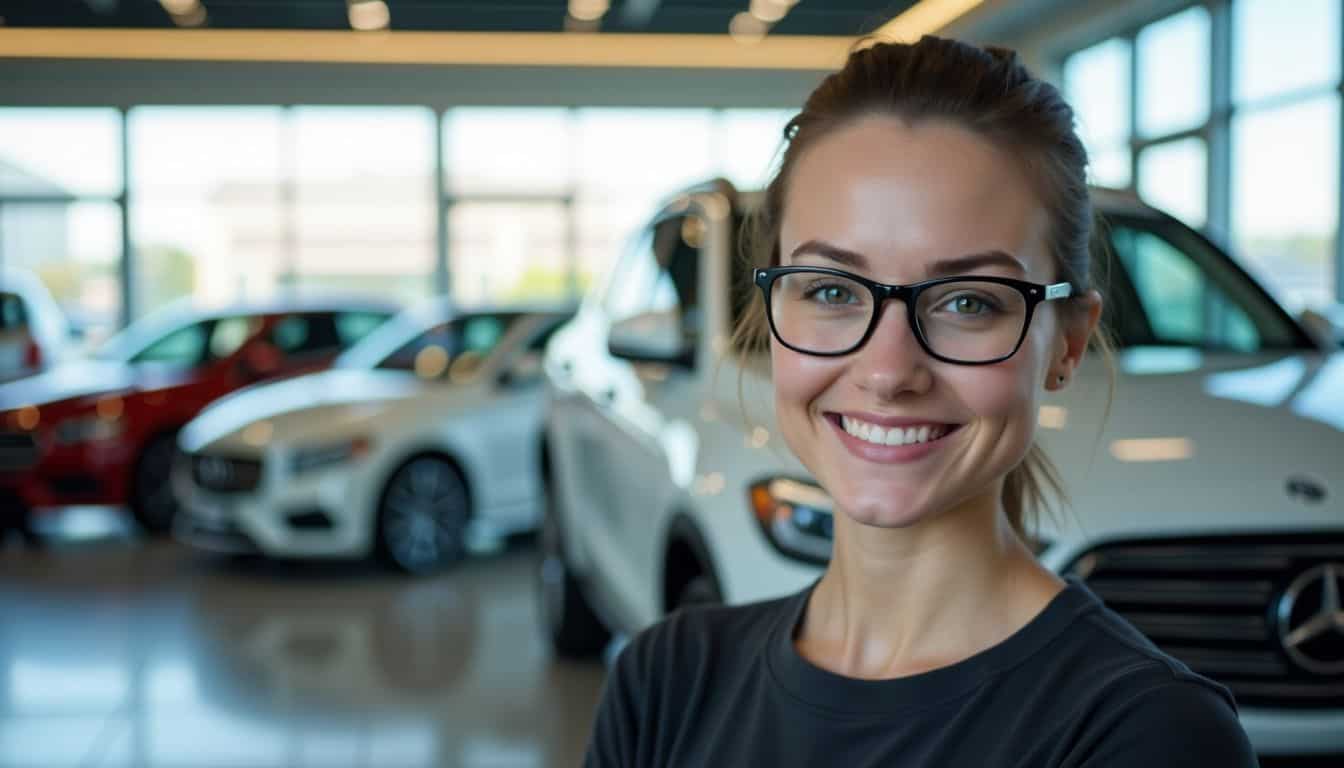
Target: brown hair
985,90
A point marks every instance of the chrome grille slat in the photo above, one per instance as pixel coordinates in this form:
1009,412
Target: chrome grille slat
226,474
1212,603
1182,592
1193,626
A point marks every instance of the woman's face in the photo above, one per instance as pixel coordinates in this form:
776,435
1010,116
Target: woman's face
901,198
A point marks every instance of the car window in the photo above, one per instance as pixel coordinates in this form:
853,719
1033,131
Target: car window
311,334
661,272
13,316
1179,291
430,353
229,334
353,326
183,347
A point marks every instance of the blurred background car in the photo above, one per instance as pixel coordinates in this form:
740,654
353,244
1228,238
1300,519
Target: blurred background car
413,446
102,430
669,485
34,333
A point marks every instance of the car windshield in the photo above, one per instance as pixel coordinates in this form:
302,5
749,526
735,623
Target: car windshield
369,351
131,340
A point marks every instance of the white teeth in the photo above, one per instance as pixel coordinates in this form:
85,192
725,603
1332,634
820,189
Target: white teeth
877,435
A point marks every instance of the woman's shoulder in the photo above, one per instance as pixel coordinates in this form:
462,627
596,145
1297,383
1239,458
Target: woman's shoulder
689,637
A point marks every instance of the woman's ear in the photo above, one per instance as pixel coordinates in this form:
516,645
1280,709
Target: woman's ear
1076,326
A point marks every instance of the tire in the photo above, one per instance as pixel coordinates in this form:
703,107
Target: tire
423,515
699,591
152,501
14,515
569,621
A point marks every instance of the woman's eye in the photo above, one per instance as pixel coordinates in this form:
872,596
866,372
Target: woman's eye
831,294
968,305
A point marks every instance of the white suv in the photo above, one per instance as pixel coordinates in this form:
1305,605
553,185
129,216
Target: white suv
1208,508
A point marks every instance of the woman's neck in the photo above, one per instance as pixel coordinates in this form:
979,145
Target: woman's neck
897,602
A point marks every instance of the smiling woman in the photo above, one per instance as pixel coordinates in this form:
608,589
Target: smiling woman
945,178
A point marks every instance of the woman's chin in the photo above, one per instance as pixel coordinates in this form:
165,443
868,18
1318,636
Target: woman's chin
884,511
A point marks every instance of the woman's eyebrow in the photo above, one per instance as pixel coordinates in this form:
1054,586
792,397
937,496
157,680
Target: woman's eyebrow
975,261
839,255
959,265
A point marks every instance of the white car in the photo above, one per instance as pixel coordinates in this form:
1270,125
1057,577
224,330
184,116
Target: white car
410,447
34,333
1208,509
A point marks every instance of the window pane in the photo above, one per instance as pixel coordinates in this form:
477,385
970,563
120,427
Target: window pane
1279,47
649,152
364,216
1109,167
60,152
74,250
1174,73
1173,176
1182,306
206,218
1284,201
747,143
504,252
1096,83
508,151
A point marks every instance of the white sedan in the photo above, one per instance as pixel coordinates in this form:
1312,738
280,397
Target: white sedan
1208,507
409,448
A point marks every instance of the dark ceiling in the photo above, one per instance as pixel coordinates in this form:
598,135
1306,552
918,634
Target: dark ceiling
808,17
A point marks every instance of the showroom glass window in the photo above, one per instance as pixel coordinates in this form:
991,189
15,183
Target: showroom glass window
60,217
1285,144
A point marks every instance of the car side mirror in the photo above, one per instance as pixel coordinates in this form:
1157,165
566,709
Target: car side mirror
523,372
1328,334
651,337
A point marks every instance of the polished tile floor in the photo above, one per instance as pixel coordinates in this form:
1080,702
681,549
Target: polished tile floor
117,651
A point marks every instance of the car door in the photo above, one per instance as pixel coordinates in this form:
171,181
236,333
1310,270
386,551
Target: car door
640,403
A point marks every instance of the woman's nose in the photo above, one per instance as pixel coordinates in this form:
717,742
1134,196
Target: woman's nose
892,361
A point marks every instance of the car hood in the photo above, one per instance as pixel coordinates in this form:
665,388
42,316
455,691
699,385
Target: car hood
1193,444
326,403
70,380
1196,443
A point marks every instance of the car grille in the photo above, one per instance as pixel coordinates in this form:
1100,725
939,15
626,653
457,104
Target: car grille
223,474
1216,604
18,450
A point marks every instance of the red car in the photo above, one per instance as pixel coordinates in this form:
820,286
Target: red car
102,431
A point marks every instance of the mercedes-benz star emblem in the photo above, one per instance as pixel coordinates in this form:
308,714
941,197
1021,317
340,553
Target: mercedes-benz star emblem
1311,620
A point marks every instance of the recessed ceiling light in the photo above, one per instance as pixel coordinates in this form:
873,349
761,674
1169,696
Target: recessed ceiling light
747,29
588,10
369,15
769,11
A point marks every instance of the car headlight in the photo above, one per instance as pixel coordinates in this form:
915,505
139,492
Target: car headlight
795,516
87,429
310,457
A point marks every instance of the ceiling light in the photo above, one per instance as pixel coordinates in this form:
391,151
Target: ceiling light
369,15
588,10
769,11
925,17
747,29
180,7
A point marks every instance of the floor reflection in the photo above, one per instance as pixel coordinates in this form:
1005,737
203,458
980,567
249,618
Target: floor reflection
122,652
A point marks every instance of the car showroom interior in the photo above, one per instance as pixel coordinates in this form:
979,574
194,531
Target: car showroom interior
451,383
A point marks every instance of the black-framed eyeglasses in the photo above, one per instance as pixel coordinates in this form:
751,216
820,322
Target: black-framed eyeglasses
963,320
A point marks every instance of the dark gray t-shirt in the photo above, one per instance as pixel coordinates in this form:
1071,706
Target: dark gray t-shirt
1077,687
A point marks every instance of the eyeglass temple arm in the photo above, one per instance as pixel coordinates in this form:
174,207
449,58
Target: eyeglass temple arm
1058,291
